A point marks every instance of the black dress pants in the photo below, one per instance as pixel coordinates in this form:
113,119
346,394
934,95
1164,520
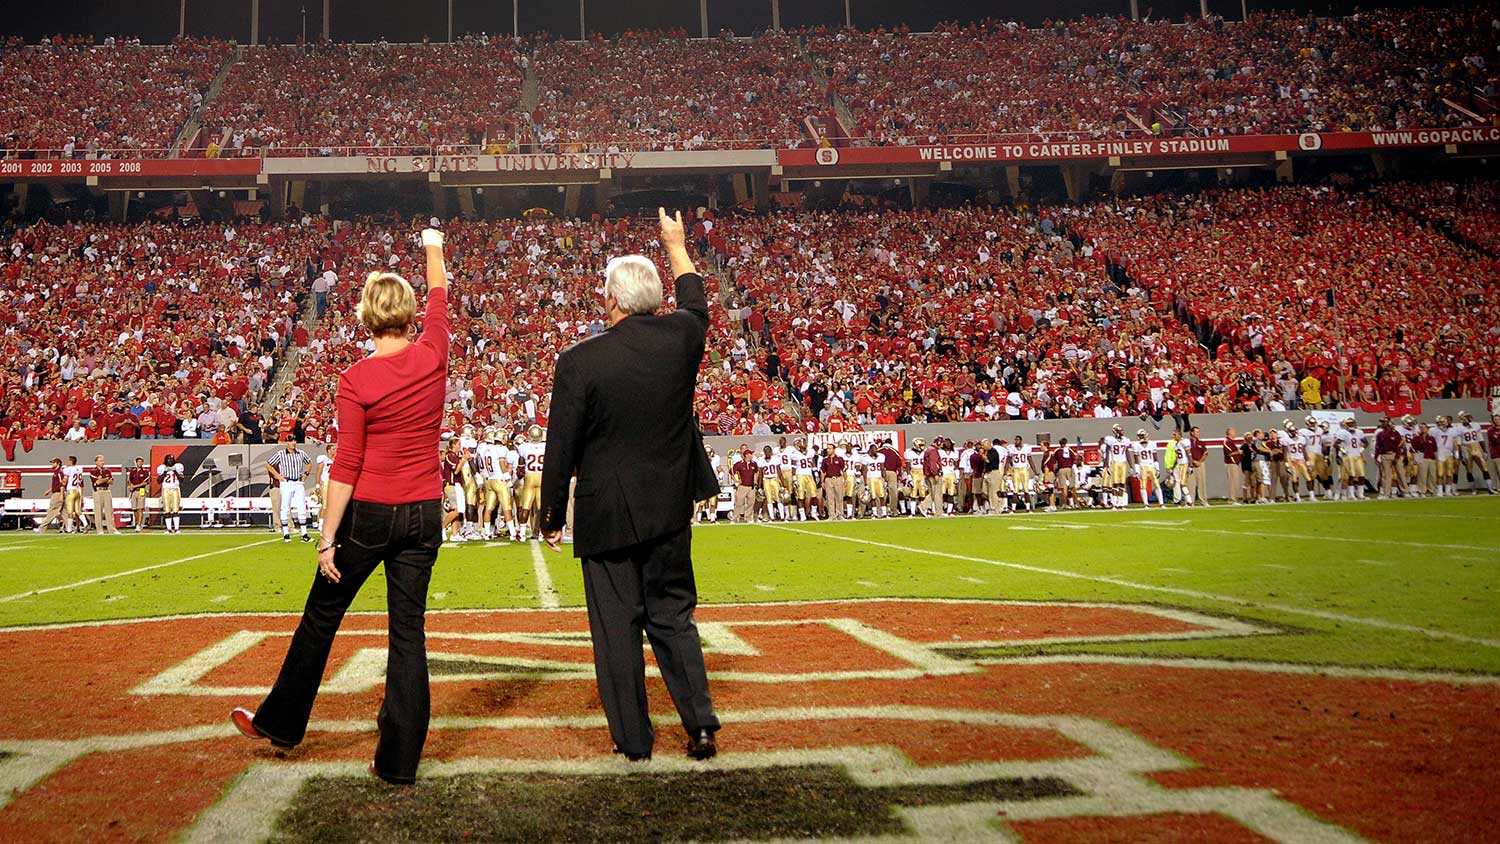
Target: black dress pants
406,538
647,588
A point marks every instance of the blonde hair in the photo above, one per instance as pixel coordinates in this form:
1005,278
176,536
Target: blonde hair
387,305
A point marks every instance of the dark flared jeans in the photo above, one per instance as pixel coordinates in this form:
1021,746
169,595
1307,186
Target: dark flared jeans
406,538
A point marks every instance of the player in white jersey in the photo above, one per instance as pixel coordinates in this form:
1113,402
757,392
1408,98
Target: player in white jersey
495,470
1447,437
1297,474
1471,452
1352,442
531,456
73,519
706,512
1147,465
873,465
170,474
325,473
1018,473
1406,463
949,455
1114,449
912,506
804,486
854,481
1317,458
965,478
769,463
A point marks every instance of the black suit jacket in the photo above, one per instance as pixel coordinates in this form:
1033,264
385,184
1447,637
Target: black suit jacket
622,420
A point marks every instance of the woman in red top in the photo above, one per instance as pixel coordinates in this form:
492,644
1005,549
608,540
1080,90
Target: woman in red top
384,506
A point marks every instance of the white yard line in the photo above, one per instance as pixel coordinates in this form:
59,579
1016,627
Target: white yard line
101,579
1168,590
545,590
1249,534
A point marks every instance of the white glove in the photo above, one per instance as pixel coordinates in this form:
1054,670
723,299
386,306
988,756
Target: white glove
432,237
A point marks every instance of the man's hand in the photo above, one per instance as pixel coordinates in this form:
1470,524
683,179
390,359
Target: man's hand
553,538
672,234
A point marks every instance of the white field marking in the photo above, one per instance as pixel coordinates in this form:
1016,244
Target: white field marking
1067,526
1454,678
20,595
965,578
112,598
867,584
1336,510
438,596
764,588
219,599
1179,571
545,589
1373,562
1110,781
365,668
1170,590
5,548
1276,566
1250,534
1026,527
1156,522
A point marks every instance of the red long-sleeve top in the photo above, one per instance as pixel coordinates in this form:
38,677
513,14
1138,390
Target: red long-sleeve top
390,414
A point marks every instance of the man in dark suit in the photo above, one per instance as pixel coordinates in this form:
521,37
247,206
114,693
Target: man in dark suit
622,420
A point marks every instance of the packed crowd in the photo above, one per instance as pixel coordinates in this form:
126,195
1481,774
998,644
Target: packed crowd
295,100
115,99
659,90
1093,77
1296,281
1164,306
147,330
1471,210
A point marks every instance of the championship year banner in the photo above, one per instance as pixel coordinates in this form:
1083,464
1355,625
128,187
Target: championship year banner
1062,150
67,168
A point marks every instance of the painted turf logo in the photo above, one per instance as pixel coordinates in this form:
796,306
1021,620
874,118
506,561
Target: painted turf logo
899,720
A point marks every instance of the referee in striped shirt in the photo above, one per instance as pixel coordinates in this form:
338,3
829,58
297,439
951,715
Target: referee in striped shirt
286,468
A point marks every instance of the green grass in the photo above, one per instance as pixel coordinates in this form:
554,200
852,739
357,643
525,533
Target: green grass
1433,565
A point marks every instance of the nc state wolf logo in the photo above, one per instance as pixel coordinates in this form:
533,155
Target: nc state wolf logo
916,720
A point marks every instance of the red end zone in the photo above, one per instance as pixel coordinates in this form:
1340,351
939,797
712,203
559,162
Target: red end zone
119,731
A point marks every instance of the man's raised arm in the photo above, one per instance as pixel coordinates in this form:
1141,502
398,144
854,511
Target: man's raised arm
689,285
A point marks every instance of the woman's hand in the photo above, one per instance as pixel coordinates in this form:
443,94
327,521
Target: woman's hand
432,238
326,566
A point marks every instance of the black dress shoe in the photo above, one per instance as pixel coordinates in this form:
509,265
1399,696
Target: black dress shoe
701,745
634,757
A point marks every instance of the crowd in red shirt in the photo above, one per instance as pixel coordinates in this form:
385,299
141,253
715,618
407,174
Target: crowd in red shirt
113,100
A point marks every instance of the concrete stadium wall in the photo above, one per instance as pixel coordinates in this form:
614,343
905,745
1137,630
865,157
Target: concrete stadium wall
192,453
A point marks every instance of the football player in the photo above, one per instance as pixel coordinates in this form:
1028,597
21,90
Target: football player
1317,460
1406,464
73,518
805,473
1447,438
170,474
1470,452
707,510
1147,469
873,464
1018,472
949,456
918,484
770,484
532,455
1115,450
1297,473
1352,444
496,468
453,508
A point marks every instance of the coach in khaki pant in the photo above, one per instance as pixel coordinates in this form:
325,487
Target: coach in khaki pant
54,498
833,485
1197,469
104,501
745,474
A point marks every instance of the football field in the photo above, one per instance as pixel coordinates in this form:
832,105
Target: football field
1313,672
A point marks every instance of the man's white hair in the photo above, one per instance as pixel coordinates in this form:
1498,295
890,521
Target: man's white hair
633,282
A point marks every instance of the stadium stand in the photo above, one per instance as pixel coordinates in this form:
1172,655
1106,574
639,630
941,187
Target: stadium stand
155,321
659,90
346,99
73,98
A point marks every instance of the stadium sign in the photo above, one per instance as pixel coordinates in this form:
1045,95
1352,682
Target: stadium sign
497,163
66,168
1066,150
